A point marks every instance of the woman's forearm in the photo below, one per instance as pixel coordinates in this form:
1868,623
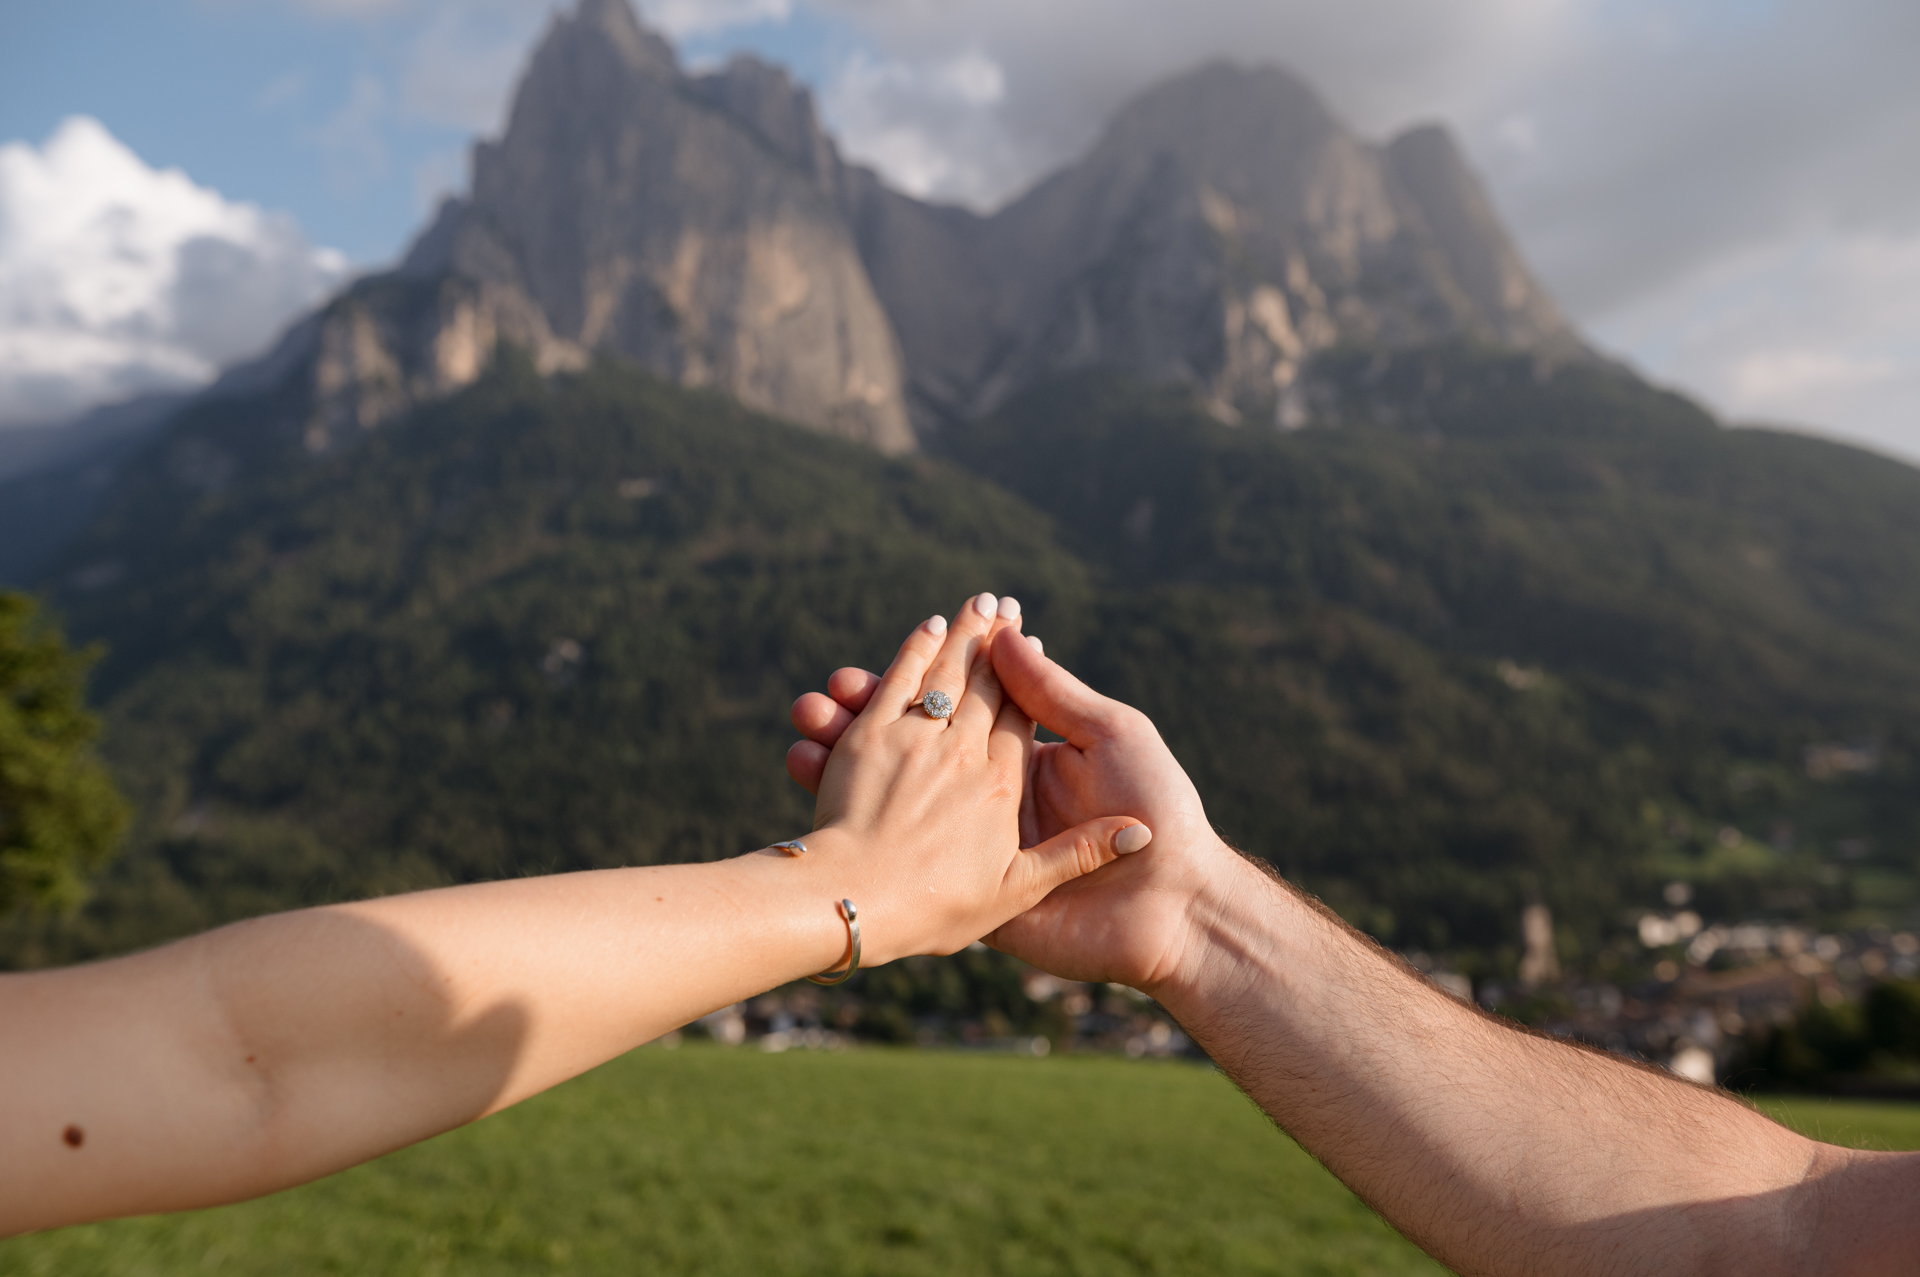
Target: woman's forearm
277,1050
1497,1151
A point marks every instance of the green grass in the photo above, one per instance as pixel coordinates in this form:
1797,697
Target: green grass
1851,1123
705,1161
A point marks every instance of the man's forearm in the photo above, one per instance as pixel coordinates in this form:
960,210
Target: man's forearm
1496,1150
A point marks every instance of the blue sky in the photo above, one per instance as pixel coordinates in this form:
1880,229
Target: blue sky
302,108
1727,193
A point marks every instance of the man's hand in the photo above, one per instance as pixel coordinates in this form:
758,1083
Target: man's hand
1129,922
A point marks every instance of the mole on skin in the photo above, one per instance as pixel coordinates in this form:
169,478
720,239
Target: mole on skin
74,1136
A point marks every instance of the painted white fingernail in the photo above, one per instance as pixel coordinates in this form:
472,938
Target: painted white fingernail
936,625
985,604
1132,839
1033,641
1009,608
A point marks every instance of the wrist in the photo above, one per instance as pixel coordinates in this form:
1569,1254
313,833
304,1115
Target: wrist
1232,921
801,895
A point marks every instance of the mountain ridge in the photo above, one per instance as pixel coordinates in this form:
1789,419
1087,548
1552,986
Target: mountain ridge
1224,229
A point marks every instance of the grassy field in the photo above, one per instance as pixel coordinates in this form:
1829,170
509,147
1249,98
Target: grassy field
705,1161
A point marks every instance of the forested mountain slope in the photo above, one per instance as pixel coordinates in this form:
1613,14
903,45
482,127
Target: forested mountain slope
1500,636
537,626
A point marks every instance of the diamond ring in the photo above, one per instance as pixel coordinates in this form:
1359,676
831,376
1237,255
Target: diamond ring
937,705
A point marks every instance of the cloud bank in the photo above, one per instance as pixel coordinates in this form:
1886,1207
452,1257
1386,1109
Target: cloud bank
116,278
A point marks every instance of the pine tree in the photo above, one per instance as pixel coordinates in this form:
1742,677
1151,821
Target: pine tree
60,815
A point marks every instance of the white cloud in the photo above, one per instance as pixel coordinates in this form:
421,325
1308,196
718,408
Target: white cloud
928,127
116,278
1821,331
684,19
1061,69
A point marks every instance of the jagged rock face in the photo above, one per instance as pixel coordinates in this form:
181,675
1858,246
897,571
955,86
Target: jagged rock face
396,341
387,343
925,260
1451,207
644,218
1224,229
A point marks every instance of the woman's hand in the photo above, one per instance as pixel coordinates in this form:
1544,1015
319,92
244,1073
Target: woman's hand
1130,922
920,816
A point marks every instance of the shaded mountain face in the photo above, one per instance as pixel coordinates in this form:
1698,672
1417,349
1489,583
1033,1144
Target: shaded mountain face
1224,231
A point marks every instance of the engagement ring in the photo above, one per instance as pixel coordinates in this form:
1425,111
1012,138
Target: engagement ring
937,705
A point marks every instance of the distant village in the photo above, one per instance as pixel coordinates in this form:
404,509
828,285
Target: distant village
1698,1018
1711,996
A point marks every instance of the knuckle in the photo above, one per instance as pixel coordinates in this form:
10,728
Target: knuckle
1087,852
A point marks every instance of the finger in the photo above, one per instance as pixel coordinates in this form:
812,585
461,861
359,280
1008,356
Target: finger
819,718
1012,735
901,683
1073,852
980,707
807,763
949,670
1054,698
852,687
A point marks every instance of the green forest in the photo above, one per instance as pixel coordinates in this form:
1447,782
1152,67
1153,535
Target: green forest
1489,633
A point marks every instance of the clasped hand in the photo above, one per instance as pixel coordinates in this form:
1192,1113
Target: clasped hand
945,809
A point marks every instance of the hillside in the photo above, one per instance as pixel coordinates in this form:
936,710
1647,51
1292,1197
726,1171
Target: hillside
538,626
1525,647
1571,517
1500,636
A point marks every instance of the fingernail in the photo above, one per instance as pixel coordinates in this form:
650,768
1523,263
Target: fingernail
936,625
985,604
1132,839
1034,641
1009,608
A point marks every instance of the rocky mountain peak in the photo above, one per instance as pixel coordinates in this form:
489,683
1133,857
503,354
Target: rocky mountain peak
1429,169
1224,230
613,26
628,209
778,111
1225,123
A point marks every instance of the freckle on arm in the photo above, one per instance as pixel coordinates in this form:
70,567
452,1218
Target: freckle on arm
74,1136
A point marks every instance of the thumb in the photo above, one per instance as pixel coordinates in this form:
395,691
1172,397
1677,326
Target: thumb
1050,695
1074,852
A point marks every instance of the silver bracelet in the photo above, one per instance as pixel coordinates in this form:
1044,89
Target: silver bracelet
852,916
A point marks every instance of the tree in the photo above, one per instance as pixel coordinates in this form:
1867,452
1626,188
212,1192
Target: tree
60,815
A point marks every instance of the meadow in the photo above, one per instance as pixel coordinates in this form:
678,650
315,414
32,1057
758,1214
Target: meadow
705,1161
